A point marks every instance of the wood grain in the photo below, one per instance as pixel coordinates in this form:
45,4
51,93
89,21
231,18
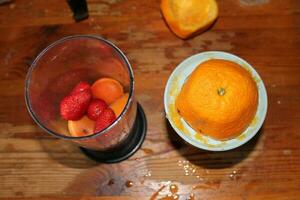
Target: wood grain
266,33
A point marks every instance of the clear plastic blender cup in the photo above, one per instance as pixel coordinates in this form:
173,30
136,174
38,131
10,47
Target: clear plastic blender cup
63,64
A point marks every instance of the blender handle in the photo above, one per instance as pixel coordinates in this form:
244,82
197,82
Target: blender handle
79,9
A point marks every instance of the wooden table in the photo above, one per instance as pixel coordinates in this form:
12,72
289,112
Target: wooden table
264,32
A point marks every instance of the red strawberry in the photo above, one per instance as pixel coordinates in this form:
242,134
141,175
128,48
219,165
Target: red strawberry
74,106
80,87
96,107
104,120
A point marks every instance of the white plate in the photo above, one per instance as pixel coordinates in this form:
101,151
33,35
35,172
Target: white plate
176,81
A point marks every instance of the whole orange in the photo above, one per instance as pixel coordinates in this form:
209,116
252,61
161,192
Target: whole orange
219,99
107,89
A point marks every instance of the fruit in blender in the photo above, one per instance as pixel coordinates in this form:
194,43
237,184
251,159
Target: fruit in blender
81,87
82,127
86,115
96,107
107,89
104,120
118,105
74,105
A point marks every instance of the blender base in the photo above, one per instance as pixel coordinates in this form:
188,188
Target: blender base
134,141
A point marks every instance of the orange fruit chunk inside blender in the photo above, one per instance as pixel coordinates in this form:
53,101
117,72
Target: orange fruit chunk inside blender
219,99
107,89
188,17
82,127
119,105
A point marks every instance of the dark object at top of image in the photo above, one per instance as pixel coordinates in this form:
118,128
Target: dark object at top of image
79,9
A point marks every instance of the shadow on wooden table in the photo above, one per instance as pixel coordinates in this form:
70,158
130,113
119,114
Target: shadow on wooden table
210,159
67,153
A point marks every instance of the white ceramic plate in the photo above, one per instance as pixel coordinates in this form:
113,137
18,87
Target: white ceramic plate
176,81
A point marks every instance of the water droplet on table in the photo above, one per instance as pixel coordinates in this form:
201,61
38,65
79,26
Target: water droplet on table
129,184
111,182
233,175
173,188
148,174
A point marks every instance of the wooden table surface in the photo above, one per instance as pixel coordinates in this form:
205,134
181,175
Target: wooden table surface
266,33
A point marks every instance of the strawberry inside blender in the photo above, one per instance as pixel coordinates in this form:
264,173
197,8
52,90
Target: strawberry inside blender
90,109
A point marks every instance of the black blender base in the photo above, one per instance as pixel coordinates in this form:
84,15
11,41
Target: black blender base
128,147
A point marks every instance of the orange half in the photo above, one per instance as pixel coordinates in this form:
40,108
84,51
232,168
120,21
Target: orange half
119,105
188,17
107,89
82,127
